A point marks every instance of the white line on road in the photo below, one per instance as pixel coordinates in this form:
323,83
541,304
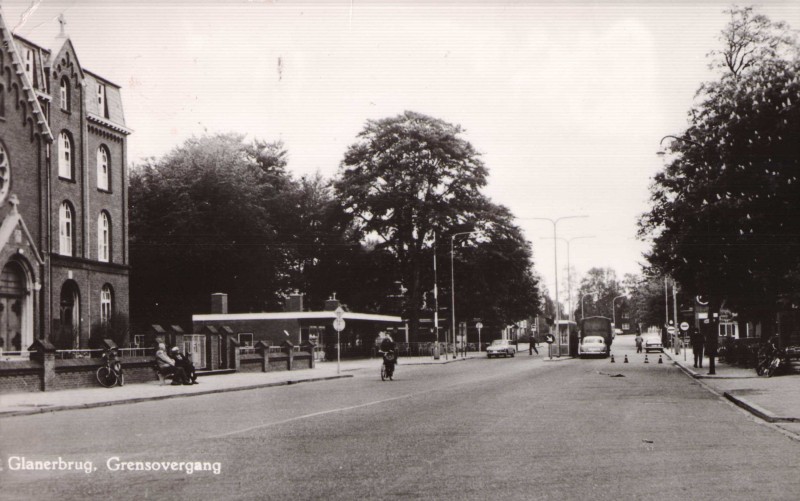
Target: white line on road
321,413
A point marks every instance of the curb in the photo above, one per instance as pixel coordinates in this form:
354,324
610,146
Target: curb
58,408
759,411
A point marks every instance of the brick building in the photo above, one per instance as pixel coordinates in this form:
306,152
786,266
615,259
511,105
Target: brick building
63,196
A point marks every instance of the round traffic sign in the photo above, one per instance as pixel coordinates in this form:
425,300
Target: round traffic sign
684,326
549,339
671,329
338,324
479,325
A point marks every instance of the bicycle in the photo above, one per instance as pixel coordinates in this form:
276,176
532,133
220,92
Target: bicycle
387,368
111,374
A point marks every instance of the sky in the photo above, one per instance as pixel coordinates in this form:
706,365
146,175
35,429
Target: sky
567,101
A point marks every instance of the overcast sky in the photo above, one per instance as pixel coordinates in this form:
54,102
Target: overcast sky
567,101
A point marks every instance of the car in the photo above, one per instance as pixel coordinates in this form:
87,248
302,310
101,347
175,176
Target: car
592,346
653,342
501,347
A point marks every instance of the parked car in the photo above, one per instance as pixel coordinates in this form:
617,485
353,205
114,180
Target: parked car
500,347
592,346
653,342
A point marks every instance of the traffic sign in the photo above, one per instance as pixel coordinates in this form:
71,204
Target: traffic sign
684,326
671,329
339,312
549,339
479,325
338,324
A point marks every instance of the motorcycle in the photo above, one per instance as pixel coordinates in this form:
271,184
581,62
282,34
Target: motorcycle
771,358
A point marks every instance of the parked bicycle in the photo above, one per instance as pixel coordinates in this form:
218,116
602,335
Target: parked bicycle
111,374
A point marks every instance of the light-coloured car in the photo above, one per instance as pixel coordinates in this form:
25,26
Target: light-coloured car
653,342
592,346
500,347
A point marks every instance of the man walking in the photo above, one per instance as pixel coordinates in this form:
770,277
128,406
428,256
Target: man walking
639,341
697,347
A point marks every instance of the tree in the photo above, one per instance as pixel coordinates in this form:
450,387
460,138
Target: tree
408,180
724,211
203,220
603,286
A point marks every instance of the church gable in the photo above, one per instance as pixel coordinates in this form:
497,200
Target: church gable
16,91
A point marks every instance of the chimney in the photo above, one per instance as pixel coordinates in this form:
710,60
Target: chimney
294,302
331,303
219,303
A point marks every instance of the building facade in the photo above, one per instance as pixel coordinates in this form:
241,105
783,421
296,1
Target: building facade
63,196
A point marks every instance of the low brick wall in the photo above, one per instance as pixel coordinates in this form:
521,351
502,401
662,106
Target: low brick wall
251,363
21,376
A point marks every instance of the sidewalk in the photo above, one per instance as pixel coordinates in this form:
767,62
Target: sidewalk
775,400
18,404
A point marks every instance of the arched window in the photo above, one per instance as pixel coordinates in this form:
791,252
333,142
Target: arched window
106,304
103,237
65,160
66,229
64,94
102,168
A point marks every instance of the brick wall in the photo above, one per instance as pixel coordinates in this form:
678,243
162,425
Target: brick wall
20,376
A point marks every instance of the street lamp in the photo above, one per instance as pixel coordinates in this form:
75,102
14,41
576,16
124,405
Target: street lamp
569,278
613,313
582,298
711,354
554,222
453,285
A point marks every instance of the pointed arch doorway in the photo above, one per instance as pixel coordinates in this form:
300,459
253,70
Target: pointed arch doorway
14,335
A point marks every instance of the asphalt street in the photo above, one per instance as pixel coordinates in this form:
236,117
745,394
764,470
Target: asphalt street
517,428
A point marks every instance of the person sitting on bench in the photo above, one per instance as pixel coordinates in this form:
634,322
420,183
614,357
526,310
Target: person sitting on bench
167,367
182,361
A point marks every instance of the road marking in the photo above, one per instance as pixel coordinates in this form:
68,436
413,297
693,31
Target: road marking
321,413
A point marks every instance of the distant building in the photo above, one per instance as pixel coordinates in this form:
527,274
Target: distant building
63,195
298,326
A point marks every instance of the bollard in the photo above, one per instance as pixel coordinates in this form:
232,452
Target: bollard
659,360
612,359
626,359
645,360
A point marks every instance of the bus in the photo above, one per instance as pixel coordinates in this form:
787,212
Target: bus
598,326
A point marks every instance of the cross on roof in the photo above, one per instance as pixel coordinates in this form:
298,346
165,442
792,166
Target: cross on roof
63,22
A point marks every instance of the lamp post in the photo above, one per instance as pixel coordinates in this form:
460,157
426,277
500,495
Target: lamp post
613,313
711,354
569,271
436,304
554,222
453,285
582,298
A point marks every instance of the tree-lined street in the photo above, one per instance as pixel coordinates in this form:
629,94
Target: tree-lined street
504,428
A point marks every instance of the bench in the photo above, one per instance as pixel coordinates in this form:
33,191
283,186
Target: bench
162,378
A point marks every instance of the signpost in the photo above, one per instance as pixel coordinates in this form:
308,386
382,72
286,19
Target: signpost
338,324
549,339
684,330
479,326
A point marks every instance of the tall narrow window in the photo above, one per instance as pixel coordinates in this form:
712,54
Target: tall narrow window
102,107
103,237
66,230
29,65
65,156
64,94
102,168
105,304
2,101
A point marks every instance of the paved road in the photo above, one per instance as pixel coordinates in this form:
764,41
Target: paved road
519,428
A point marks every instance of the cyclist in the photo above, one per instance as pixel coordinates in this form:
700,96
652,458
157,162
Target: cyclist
388,350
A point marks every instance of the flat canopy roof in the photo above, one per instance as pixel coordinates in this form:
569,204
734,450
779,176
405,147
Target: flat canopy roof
298,315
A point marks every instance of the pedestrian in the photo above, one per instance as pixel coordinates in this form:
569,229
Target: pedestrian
639,340
697,347
182,361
